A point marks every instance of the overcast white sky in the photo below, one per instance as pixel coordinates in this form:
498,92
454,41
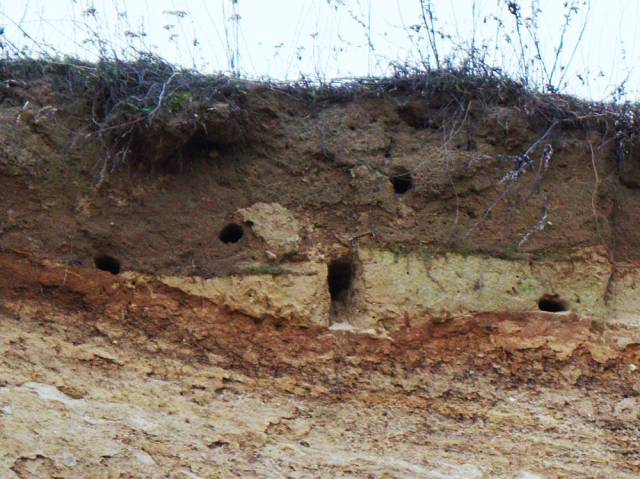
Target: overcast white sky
284,39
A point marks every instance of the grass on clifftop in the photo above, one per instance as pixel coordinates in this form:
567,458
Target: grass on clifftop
150,105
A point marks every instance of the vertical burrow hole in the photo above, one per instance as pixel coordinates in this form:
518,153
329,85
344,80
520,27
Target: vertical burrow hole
107,263
552,303
402,181
232,233
339,279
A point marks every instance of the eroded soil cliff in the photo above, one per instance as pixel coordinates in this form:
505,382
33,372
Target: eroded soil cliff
427,279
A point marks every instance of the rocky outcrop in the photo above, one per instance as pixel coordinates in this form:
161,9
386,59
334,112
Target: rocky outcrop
296,293
276,225
391,289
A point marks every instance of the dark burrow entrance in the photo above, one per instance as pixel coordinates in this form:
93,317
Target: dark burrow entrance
232,233
552,303
339,280
107,263
401,181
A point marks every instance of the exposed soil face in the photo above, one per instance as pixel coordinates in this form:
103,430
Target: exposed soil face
337,165
226,303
